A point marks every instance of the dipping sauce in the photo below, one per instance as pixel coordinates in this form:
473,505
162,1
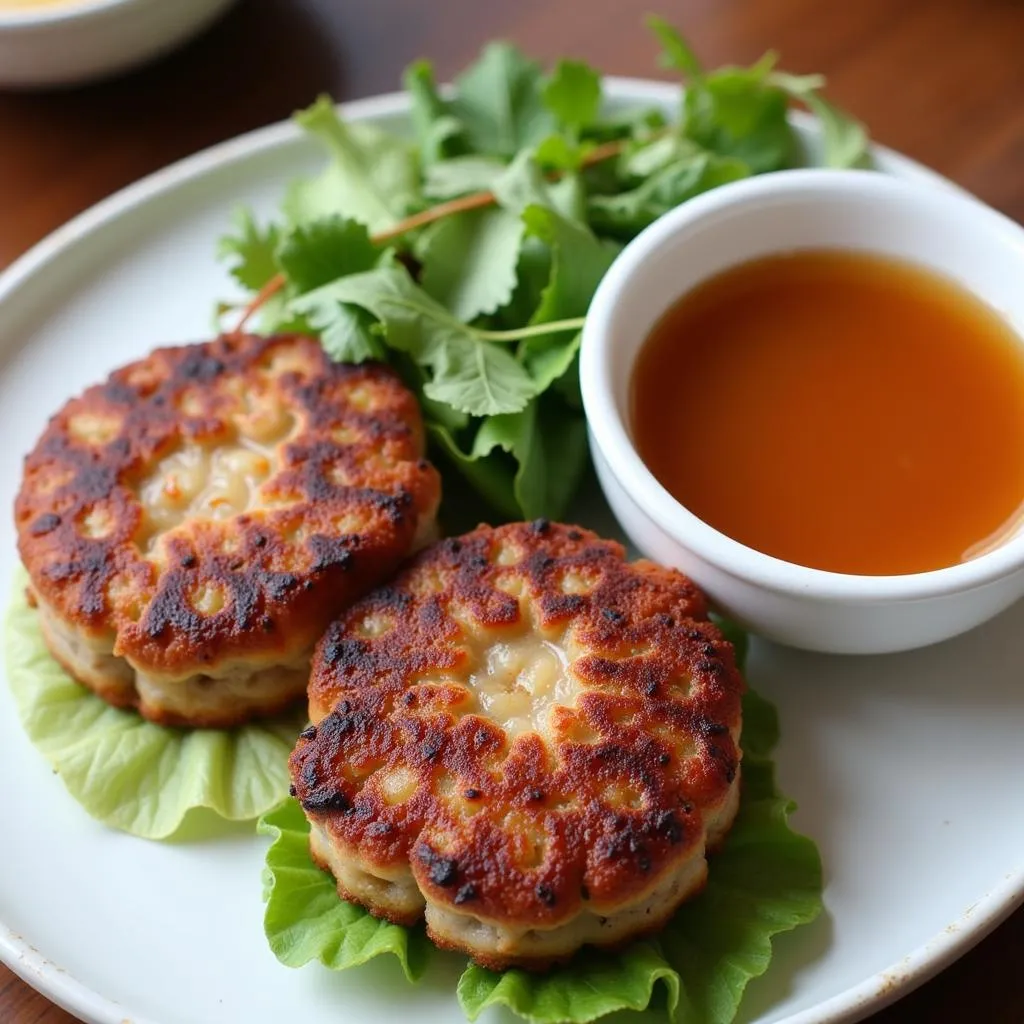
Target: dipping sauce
838,410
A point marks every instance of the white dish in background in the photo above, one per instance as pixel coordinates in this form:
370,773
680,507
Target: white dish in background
906,767
925,224
74,41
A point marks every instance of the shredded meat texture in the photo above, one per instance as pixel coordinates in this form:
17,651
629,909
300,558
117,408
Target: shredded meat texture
191,525
525,739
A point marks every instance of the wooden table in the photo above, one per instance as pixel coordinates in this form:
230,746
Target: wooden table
941,80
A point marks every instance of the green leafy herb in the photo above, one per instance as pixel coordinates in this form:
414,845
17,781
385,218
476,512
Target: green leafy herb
461,175
579,261
766,880
468,372
317,253
845,142
676,54
437,131
536,187
573,95
627,213
372,177
469,261
500,102
549,443
489,474
250,251
128,773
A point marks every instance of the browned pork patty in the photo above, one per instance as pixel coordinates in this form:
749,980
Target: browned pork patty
525,739
192,525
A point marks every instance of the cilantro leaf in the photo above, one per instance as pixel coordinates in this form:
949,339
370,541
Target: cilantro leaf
550,363
550,445
641,162
312,254
629,123
437,131
500,103
523,184
469,261
461,175
478,378
488,472
469,373
676,52
738,112
249,250
348,333
372,177
579,262
845,141
558,152
625,214
573,94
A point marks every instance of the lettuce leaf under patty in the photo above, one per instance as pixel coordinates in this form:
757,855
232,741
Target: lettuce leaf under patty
128,773
766,880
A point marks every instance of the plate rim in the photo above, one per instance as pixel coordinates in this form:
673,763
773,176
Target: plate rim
852,1004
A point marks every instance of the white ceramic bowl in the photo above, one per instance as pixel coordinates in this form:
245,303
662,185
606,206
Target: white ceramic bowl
76,41
853,210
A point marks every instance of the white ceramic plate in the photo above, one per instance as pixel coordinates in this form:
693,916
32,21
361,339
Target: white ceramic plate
907,768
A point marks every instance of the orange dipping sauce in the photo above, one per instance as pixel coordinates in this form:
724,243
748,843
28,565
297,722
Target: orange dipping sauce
838,410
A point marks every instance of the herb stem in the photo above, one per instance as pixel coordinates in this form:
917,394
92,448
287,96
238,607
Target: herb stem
533,331
473,201
260,299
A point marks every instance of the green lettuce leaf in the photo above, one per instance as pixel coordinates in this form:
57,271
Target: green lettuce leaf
126,772
593,986
766,880
549,444
305,920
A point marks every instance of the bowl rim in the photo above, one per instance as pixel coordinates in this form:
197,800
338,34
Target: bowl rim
59,12
609,433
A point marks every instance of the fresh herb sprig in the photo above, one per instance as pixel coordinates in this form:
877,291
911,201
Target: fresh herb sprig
468,256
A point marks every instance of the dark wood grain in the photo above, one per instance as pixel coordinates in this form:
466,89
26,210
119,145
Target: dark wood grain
941,80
